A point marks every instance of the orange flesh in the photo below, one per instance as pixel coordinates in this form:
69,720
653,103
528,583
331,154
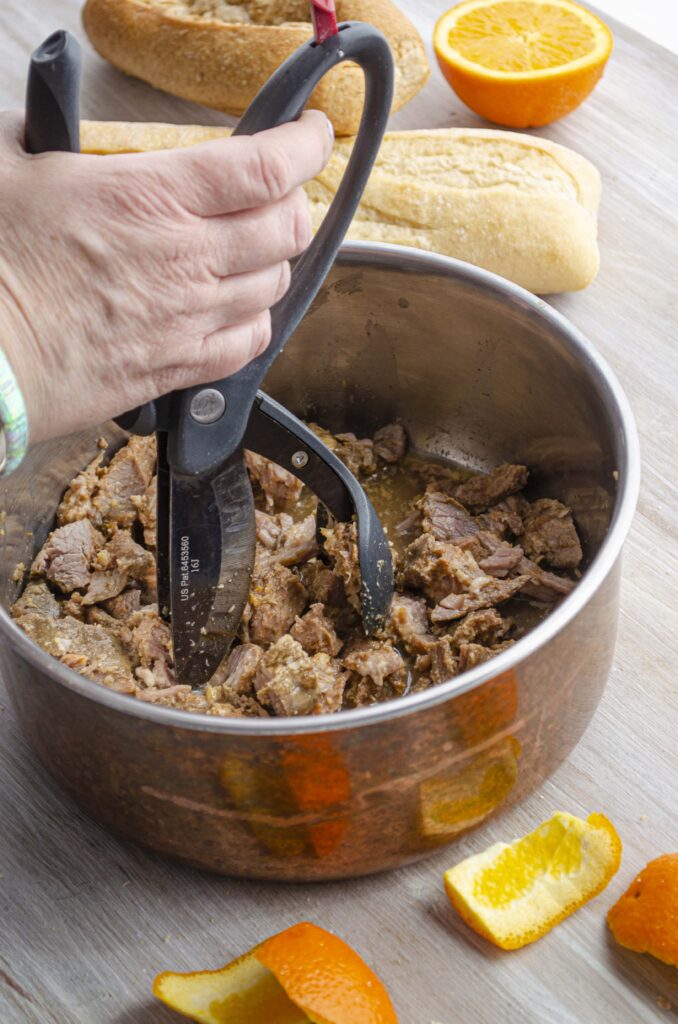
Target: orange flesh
243,992
515,37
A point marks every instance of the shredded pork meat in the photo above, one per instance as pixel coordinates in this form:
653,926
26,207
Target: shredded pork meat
474,554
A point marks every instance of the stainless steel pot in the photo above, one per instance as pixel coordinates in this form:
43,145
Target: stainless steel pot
478,370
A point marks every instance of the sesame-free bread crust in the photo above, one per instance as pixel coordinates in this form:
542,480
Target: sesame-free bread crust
521,206
220,54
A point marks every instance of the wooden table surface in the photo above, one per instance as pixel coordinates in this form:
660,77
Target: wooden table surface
88,920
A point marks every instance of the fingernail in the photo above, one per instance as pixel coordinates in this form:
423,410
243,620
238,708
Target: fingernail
330,129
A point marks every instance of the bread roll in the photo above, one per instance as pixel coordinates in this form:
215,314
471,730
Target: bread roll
521,206
220,53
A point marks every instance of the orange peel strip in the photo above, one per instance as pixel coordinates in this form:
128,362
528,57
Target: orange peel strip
304,974
512,894
645,918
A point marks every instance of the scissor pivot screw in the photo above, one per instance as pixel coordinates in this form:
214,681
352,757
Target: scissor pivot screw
208,406
299,460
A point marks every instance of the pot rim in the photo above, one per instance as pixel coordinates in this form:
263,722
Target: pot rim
407,258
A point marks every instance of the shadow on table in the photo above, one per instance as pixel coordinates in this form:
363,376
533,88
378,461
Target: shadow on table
440,910
146,1013
110,95
651,979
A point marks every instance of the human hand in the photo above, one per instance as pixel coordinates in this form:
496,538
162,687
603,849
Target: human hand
125,277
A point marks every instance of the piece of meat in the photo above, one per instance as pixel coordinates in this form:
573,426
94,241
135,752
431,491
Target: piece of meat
506,517
280,488
324,586
375,659
104,584
196,701
147,512
269,528
246,707
276,598
152,638
408,618
161,676
95,616
327,589
390,442
66,556
236,672
550,535
298,542
445,519
482,535
471,655
483,592
123,553
291,682
168,696
357,454
127,476
285,541
73,606
77,501
124,605
485,626
340,544
438,476
443,664
502,561
89,649
483,490
438,567
377,672
544,586
316,633
151,642
36,599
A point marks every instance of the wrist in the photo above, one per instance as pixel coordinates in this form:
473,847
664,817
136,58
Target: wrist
13,420
22,364
14,382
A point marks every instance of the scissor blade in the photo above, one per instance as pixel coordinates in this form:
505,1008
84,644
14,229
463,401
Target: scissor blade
162,528
212,543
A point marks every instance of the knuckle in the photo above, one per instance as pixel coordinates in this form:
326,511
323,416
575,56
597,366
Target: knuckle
260,334
283,281
301,222
273,171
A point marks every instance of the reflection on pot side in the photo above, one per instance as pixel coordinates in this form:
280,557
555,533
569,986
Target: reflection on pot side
458,800
465,794
299,806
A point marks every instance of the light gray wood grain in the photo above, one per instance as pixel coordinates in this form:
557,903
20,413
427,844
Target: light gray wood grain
87,920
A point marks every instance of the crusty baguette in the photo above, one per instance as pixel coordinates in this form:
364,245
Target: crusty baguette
521,206
220,54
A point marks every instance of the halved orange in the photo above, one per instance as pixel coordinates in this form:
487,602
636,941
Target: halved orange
521,63
514,893
303,975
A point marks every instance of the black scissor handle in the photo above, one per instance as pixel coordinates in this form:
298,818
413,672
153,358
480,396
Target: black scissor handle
199,447
53,96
